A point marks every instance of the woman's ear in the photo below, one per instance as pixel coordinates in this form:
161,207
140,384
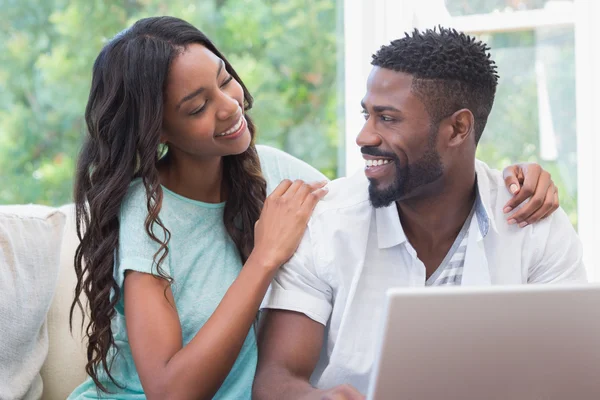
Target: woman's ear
164,138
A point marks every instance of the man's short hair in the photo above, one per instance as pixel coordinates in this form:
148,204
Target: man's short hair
451,71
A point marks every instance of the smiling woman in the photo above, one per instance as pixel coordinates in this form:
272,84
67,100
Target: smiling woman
176,228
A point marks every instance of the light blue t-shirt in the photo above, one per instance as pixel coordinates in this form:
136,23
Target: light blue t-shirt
202,260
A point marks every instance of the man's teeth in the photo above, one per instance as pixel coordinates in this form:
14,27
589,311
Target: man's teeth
233,129
375,163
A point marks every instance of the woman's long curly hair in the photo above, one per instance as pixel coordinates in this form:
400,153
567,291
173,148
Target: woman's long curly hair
124,115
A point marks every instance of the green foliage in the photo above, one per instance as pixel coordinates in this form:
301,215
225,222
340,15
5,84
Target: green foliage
286,52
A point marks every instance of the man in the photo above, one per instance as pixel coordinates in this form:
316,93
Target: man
426,214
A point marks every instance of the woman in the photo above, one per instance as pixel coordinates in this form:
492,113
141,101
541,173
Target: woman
177,250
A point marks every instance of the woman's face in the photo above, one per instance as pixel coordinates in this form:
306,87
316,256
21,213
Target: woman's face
203,107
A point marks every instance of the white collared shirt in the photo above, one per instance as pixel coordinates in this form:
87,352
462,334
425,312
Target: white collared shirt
352,253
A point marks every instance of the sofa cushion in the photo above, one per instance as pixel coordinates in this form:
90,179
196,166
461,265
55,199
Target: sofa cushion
64,368
30,241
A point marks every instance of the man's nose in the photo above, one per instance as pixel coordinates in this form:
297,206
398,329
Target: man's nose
367,136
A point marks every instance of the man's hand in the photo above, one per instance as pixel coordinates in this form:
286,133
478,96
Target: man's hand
529,181
341,392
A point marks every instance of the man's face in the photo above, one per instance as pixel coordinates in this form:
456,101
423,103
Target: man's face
398,141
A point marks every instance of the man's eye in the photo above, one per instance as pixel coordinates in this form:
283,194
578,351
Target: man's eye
365,114
385,118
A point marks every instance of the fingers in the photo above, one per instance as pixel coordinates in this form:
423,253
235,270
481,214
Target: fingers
318,185
313,198
342,396
310,200
540,212
350,393
533,176
302,189
555,203
542,199
308,188
293,189
343,392
511,179
298,195
281,188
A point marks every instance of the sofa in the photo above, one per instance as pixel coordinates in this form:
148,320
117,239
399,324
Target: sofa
38,354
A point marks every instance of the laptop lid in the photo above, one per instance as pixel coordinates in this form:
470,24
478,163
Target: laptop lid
511,342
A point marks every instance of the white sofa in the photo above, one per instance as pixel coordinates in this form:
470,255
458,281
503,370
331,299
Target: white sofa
64,367
37,281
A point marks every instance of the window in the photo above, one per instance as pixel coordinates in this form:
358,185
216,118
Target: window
471,7
288,52
534,115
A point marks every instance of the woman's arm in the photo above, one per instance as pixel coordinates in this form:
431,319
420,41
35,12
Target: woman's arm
167,369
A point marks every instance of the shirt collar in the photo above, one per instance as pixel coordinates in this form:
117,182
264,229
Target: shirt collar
484,194
483,217
389,229
390,232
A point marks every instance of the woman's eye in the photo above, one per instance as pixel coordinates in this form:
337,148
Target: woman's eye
227,81
198,110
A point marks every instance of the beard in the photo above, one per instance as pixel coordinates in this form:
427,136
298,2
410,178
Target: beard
425,170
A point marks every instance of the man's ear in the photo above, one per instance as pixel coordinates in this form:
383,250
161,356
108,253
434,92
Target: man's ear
461,127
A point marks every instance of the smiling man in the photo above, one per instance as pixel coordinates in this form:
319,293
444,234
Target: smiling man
423,213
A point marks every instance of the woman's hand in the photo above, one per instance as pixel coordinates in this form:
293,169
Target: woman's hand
529,181
283,221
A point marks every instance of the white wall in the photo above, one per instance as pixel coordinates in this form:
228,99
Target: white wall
368,24
587,70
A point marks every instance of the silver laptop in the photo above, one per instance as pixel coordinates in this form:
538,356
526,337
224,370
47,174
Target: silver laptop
528,342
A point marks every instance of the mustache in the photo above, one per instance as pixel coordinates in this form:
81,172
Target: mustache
375,152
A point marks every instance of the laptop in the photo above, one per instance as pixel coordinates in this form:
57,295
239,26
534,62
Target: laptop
527,342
